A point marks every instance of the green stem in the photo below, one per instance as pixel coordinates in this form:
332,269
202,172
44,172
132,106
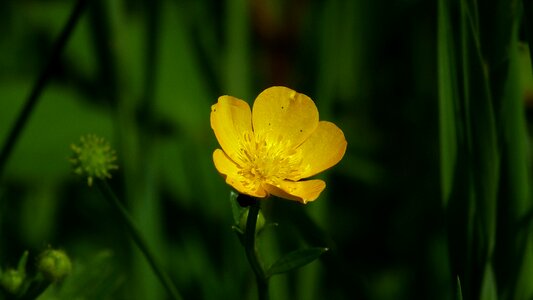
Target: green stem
251,251
137,238
40,83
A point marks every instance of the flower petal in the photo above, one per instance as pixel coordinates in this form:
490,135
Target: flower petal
281,112
227,168
323,149
301,191
230,118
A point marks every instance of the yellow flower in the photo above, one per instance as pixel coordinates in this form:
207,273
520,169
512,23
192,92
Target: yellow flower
267,151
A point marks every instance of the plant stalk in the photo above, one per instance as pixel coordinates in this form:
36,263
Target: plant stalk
251,251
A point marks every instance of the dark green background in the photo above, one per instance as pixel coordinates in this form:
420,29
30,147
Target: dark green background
143,74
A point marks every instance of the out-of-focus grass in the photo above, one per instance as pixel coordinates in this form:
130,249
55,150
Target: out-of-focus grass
400,222
486,184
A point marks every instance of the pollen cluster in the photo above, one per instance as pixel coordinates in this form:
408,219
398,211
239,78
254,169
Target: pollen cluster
268,160
93,158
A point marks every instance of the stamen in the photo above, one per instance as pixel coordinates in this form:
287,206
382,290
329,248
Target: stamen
268,160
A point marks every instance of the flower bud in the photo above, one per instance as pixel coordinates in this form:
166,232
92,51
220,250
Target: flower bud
11,280
55,265
93,157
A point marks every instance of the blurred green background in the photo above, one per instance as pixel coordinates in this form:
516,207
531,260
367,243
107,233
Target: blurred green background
400,78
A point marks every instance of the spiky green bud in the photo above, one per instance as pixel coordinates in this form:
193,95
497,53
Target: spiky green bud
12,279
93,157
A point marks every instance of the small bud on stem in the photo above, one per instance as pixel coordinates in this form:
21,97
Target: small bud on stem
93,158
55,265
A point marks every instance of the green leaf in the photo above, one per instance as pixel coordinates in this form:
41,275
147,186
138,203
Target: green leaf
515,136
488,286
481,128
21,267
518,211
524,288
459,291
448,96
237,230
236,209
294,260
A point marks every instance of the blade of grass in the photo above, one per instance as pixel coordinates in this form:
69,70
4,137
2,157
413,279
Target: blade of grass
459,295
465,50
488,285
457,191
528,20
514,260
515,138
481,131
469,153
448,94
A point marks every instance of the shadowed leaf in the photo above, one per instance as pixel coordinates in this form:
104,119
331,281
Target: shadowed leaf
294,260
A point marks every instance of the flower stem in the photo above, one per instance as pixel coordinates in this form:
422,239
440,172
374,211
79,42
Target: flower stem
40,83
138,239
251,251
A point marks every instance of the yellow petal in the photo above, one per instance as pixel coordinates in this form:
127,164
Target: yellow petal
323,149
281,112
230,118
301,191
227,168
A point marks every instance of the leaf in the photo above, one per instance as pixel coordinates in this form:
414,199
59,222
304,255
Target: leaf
294,260
517,210
448,96
459,291
484,161
21,267
515,136
488,286
236,209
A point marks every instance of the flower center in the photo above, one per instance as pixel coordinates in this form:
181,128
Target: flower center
267,160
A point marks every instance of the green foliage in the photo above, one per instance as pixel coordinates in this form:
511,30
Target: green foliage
448,95
485,186
294,260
